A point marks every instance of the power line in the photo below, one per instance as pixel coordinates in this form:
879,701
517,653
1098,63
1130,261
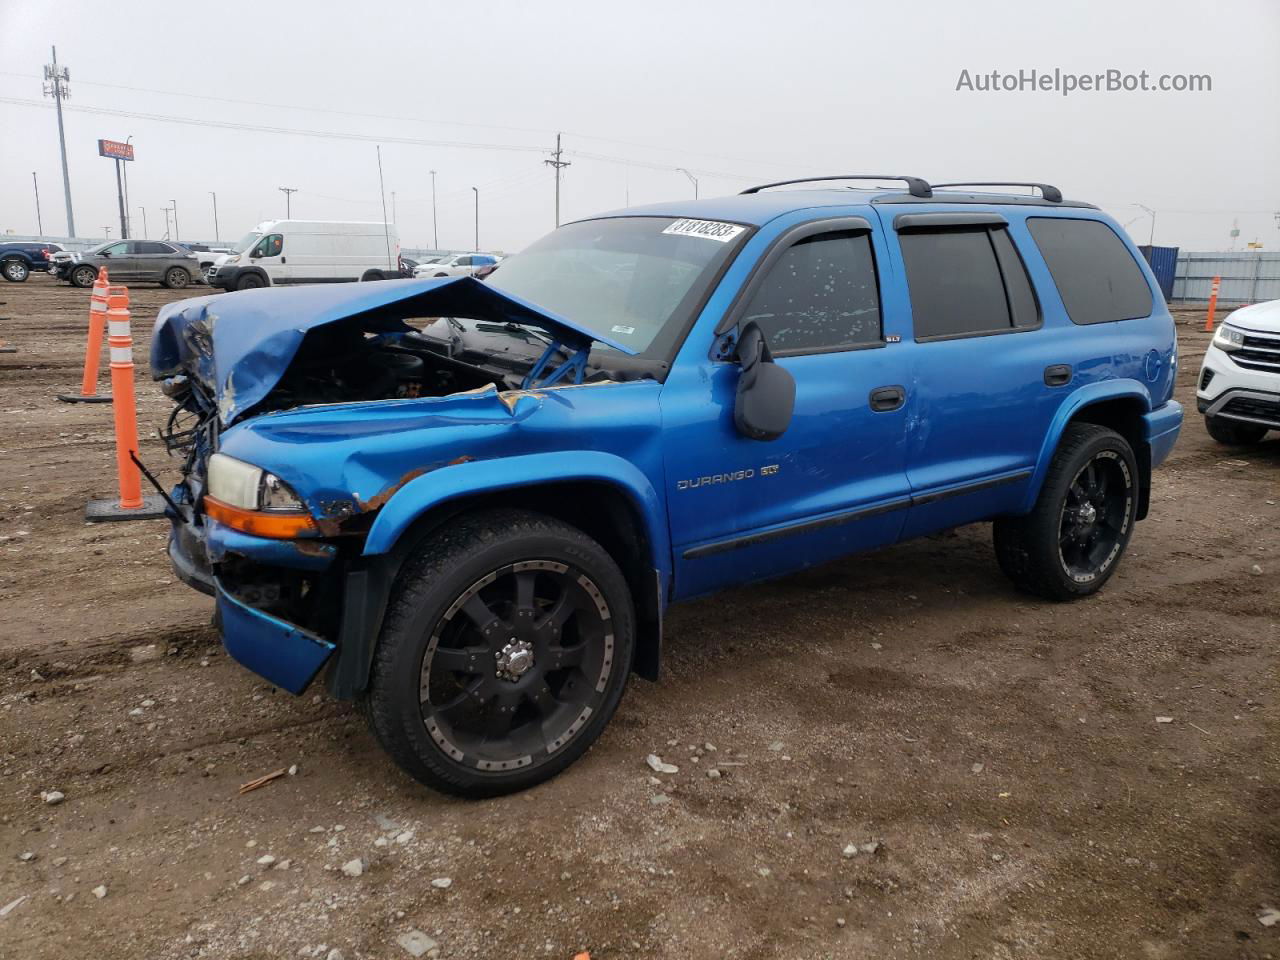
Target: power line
293,108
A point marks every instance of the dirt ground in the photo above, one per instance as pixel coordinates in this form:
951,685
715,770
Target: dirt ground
1003,753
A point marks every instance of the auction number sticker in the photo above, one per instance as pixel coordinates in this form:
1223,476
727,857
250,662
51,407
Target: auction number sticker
707,229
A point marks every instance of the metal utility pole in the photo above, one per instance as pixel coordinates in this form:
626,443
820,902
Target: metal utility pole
1151,241
476,190
288,198
124,226
177,235
55,85
692,179
39,222
128,219
559,165
166,223
215,215
144,222
382,194
435,233
107,232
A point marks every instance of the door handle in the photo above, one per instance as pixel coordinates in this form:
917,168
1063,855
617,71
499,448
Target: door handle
1057,375
886,399
284,260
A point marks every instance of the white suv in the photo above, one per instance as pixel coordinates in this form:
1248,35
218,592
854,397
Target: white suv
458,265
1239,387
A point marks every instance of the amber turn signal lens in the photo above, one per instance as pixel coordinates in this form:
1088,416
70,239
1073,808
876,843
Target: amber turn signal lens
276,526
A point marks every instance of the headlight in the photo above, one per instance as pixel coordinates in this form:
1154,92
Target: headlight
1228,338
250,499
235,259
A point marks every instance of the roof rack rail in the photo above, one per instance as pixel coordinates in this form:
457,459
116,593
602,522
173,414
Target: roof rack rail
1048,191
915,186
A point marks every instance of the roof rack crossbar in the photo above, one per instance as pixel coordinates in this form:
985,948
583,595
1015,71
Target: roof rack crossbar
1048,191
915,185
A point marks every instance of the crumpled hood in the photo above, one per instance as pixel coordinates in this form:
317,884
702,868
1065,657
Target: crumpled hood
239,345
1263,317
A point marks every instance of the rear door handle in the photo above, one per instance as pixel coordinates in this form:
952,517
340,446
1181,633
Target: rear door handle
1057,375
886,399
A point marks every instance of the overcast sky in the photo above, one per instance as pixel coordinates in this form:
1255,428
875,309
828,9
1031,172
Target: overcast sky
735,92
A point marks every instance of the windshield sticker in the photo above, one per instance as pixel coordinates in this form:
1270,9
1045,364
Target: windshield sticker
619,328
707,229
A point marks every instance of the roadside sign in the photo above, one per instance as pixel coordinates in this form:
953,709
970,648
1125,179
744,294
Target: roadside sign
115,149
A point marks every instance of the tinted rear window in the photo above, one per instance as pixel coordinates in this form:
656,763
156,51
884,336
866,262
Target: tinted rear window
1097,277
954,281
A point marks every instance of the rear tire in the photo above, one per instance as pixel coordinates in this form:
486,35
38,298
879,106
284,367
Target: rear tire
371,275
504,653
176,278
84,276
1071,542
1233,433
250,281
15,271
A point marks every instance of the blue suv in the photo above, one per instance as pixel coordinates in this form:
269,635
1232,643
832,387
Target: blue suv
471,503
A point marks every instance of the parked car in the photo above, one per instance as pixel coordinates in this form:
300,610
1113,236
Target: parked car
131,261
1239,387
310,251
19,258
206,255
457,265
475,524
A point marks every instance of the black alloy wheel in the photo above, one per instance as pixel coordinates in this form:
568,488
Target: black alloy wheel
1096,515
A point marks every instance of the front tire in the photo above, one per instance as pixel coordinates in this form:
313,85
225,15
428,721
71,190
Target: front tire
505,651
83,277
1233,433
250,281
175,278
1071,542
15,271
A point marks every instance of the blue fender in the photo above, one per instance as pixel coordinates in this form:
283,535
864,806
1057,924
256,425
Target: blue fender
486,476
1118,389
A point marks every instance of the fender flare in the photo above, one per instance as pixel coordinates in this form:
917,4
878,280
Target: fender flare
489,476
1119,389
369,585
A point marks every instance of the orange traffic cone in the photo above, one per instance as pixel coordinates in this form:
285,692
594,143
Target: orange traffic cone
1213,303
131,505
97,327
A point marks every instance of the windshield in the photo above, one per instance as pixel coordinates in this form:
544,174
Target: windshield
633,279
245,242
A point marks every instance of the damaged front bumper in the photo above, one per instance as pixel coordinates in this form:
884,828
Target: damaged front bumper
261,587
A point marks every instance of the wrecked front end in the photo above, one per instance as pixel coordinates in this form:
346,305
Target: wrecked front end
299,414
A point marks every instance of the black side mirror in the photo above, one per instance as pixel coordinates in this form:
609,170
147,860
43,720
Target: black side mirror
766,392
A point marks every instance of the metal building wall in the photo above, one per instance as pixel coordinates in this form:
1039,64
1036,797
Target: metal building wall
1249,276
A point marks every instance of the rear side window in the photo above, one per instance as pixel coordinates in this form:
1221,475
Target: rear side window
966,281
821,294
1097,277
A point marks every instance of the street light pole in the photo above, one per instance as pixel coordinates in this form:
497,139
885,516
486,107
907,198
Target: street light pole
692,179
476,190
144,222
39,221
435,233
177,234
215,216
1151,240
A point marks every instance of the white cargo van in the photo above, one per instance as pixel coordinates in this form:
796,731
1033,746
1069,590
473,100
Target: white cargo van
309,251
